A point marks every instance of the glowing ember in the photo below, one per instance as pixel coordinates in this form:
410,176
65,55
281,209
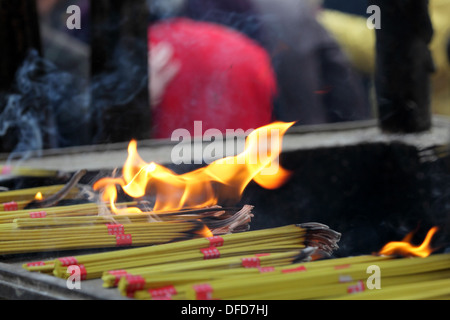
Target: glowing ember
223,179
39,196
405,248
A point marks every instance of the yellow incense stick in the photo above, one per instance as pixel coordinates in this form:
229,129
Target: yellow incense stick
30,193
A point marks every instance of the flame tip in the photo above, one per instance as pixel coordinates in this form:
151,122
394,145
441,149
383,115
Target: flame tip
405,248
206,232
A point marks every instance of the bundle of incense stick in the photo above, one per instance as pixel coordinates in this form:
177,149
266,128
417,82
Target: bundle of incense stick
165,282
14,241
344,278
69,228
90,210
290,239
156,277
18,199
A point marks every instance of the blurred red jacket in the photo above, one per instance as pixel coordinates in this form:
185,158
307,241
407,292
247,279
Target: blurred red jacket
226,80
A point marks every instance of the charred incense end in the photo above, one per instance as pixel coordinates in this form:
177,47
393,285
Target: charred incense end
310,225
321,237
55,198
314,228
236,222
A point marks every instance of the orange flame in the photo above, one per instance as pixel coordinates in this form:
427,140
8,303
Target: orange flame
405,248
206,232
224,178
39,196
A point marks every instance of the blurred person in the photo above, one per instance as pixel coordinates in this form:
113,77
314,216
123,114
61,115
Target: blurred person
207,72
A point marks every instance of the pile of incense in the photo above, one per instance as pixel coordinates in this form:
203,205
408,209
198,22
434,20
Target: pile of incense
281,245
340,279
81,227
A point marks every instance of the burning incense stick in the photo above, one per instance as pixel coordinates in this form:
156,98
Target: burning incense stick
323,279
58,196
30,193
80,227
224,178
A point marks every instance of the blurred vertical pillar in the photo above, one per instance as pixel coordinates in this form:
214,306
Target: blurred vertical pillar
19,33
119,64
403,65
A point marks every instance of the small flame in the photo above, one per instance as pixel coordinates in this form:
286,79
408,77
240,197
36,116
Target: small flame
206,232
225,178
39,196
405,248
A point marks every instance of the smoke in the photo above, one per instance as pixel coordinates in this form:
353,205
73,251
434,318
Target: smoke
120,95
165,8
50,108
45,109
26,126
